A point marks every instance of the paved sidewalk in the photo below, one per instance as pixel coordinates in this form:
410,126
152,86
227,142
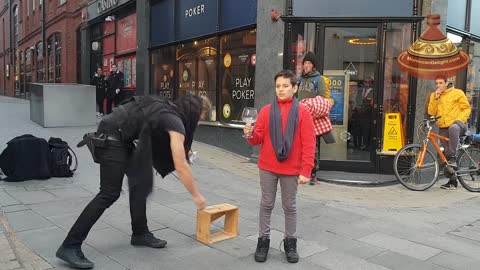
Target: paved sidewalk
339,227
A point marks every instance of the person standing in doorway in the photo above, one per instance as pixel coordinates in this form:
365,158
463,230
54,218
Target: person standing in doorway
101,86
284,131
115,88
311,85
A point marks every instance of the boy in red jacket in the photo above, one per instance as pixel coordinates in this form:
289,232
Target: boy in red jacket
284,129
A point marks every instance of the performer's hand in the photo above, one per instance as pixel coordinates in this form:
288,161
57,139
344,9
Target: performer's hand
303,180
248,130
199,201
117,91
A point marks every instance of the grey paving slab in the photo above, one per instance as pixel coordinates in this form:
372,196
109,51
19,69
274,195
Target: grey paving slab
45,242
27,220
56,208
70,193
455,261
237,247
66,222
186,207
164,197
338,261
277,260
34,196
405,247
397,261
15,208
351,230
341,243
6,199
181,223
247,227
108,240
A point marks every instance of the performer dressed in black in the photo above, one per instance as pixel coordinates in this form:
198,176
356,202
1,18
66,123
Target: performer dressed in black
163,134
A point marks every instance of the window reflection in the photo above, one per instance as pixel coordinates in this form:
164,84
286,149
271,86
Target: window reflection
395,93
302,40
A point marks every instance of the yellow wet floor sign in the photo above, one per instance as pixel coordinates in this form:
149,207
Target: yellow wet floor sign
393,138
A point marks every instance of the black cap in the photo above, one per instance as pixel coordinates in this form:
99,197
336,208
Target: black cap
311,58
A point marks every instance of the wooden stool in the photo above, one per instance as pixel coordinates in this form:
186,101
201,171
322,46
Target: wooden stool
211,213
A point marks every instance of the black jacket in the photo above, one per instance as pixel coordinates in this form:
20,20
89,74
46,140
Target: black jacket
115,81
100,85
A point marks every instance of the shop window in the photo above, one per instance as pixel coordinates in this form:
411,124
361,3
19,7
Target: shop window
22,73
302,40
395,90
28,68
237,74
163,65
40,66
58,58
197,70
127,65
54,58
15,24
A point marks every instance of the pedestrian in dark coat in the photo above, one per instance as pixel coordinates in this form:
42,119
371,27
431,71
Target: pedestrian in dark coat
101,87
116,84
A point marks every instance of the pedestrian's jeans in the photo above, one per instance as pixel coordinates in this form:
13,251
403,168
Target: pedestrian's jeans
453,134
113,164
288,185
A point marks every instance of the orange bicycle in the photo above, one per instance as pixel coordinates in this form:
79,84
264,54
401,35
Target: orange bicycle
417,168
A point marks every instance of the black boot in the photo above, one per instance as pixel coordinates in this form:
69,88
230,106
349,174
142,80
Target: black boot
147,240
263,245
74,257
290,245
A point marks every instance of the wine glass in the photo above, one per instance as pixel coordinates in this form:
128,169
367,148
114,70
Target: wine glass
249,116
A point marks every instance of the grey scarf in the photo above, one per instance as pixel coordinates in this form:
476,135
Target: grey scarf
283,144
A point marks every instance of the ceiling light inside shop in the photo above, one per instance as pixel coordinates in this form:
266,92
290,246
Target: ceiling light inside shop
363,41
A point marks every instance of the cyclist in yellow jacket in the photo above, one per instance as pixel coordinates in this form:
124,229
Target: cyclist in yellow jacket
452,106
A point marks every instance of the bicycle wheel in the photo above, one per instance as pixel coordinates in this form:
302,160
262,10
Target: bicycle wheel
469,180
407,172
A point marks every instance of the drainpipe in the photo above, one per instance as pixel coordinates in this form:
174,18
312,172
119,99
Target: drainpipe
44,47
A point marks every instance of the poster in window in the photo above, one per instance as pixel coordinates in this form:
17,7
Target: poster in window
134,72
237,77
127,73
337,93
127,34
163,62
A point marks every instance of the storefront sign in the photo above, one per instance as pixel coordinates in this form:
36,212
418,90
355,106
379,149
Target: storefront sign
235,14
196,18
352,8
100,7
103,5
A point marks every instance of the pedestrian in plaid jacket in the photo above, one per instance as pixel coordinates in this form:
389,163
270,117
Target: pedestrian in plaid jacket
319,108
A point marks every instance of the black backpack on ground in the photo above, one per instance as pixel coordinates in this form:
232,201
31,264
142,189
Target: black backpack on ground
61,158
26,157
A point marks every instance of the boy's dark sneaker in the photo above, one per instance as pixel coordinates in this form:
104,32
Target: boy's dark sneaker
263,245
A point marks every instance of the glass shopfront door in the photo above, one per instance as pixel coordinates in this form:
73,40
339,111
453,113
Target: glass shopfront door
350,61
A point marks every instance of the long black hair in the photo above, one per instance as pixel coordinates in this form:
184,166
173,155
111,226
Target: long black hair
190,108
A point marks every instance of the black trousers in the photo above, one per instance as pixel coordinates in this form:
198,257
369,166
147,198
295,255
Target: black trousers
100,104
113,163
109,105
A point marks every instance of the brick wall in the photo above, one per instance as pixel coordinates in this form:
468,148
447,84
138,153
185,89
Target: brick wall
64,19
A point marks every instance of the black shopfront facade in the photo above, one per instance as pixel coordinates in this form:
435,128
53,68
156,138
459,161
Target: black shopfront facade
206,48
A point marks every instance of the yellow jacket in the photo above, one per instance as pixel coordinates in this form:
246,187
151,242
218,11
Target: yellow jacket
452,105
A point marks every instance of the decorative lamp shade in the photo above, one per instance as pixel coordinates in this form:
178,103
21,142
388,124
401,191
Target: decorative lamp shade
433,54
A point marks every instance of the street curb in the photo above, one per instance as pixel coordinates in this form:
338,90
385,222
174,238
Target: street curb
356,183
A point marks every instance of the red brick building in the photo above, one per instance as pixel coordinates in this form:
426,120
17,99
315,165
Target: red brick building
21,57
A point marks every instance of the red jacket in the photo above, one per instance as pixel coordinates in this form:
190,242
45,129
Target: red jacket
300,159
